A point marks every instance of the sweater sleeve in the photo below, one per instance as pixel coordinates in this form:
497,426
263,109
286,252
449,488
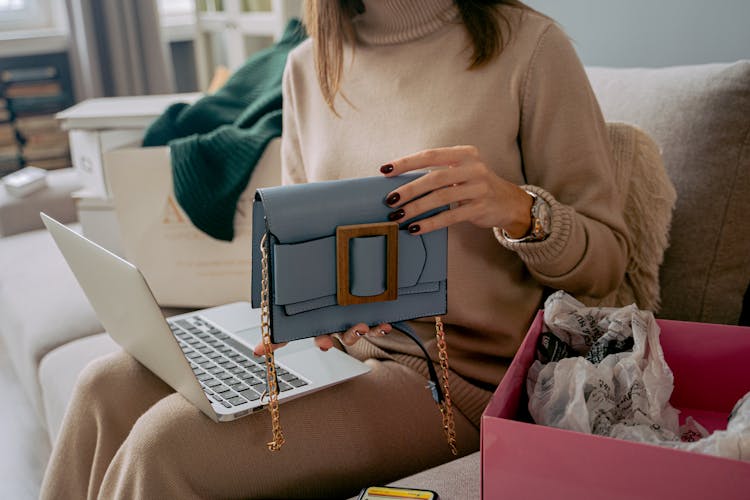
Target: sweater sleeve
292,167
567,161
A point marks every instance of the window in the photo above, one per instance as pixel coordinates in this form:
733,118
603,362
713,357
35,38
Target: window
11,5
177,19
169,8
18,15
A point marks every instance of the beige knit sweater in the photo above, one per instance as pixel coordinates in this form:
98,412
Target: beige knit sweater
532,115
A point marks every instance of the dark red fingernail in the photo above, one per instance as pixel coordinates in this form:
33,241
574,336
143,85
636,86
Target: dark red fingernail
393,199
386,169
396,215
414,228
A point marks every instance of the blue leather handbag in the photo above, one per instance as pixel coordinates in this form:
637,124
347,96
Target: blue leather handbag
326,257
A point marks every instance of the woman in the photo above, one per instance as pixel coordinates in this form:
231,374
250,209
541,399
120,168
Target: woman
489,89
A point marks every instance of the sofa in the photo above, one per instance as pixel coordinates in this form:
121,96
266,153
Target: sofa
699,116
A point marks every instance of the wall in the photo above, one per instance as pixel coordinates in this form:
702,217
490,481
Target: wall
653,33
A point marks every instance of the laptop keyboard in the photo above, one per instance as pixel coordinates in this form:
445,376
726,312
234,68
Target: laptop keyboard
228,371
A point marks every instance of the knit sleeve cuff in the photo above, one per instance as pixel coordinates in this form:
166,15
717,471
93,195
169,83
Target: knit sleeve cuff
545,254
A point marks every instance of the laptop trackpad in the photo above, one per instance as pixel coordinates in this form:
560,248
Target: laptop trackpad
249,336
252,337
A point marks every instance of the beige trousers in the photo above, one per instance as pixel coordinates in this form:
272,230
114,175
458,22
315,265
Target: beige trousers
128,435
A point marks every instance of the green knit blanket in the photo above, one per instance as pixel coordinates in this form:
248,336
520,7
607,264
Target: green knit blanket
216,142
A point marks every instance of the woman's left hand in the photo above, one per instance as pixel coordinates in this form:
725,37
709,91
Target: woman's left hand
476,193
481,197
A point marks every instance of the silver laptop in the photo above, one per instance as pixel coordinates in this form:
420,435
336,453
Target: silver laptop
207,355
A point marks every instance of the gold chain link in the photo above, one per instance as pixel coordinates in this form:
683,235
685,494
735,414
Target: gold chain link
446,407
273,389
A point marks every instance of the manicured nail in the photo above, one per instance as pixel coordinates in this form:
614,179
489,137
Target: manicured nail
358,333
386,169
393,199
396,215
383,332
414,228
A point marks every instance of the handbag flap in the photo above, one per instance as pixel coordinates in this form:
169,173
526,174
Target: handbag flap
304,212
301,222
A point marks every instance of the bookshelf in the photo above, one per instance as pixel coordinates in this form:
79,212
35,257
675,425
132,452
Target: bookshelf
32,89
229,31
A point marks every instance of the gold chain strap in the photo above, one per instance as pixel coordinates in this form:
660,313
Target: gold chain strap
273,389
446,407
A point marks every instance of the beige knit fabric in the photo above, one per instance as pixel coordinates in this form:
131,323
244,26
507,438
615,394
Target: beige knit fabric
649,201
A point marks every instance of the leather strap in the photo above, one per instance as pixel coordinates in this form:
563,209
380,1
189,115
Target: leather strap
434,385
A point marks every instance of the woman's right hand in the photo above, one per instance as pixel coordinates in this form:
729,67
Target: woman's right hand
348,338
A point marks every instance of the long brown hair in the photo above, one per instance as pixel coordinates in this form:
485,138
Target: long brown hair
329,23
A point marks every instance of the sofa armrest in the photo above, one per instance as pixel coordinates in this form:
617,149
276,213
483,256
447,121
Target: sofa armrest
456,480
19,215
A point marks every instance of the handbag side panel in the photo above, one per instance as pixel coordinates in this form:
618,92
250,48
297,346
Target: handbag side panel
259,229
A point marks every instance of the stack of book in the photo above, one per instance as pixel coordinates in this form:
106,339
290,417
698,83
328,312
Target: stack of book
45,143
9,144
32,95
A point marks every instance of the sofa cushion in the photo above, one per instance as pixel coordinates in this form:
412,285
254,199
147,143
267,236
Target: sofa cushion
41,305
59,371
698,115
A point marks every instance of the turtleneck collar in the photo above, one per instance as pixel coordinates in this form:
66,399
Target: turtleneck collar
396,21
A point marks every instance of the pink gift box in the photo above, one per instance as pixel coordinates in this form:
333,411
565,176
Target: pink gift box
711,366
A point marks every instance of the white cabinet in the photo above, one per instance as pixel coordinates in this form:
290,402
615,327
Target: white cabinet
229,31
96,126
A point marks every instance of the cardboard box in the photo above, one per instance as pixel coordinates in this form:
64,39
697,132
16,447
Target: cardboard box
524,460
183,266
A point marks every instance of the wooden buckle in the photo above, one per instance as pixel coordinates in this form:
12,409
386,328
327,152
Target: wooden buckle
346,233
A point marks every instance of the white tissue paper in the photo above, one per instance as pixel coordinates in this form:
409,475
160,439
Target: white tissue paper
611,390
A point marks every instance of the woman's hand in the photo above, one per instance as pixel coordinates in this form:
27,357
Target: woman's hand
476,194
348,338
